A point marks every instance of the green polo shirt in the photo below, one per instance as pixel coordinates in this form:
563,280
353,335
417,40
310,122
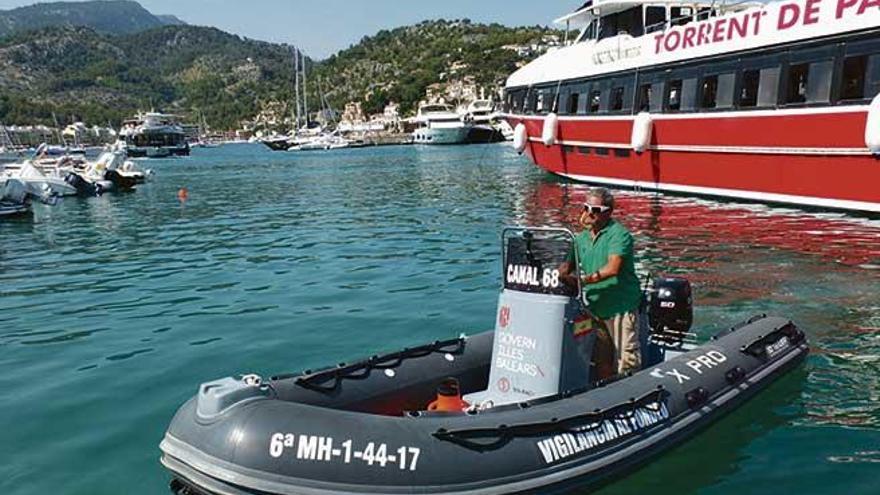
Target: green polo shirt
613,295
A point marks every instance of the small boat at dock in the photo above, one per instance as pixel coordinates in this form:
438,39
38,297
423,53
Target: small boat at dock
17,196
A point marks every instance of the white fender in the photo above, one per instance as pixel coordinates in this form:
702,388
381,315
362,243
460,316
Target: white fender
520,137
872,126
551,128
643,126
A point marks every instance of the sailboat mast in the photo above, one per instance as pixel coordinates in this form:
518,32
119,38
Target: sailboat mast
296,88
305,93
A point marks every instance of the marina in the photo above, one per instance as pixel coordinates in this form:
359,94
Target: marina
148,297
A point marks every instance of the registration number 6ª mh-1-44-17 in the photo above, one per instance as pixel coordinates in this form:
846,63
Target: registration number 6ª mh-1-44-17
325,449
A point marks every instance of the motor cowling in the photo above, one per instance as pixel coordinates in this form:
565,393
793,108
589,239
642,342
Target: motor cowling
671,306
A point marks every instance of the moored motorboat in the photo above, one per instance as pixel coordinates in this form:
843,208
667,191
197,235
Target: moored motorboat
154,135
516,410
111,172
439,124
17,195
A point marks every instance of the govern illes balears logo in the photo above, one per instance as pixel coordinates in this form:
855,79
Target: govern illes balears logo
595,435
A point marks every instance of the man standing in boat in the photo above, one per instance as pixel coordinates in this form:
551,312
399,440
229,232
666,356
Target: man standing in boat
608,276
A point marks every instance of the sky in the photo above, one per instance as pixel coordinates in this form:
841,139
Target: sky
323,27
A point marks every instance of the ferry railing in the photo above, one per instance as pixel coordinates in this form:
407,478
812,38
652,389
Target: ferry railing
702,14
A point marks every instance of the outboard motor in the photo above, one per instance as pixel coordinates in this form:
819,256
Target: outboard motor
121,182
83,187
671,309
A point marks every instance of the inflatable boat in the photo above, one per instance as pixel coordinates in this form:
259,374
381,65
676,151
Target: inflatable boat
514,410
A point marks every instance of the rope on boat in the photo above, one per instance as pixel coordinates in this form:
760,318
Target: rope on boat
362,369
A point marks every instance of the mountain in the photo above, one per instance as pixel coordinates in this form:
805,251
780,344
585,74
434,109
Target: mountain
74,72
400,64
102,16
170,20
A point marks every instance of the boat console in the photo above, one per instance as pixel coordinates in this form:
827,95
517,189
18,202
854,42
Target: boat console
545,335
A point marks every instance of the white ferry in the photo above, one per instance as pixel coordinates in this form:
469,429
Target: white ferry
769,102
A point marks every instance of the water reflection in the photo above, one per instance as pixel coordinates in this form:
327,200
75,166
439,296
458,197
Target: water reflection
671,226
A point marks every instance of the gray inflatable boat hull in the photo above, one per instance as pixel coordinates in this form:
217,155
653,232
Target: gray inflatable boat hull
329,432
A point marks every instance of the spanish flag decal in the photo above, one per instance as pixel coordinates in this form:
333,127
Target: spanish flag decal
582,325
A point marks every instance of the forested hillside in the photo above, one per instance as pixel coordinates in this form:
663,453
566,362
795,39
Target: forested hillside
68,71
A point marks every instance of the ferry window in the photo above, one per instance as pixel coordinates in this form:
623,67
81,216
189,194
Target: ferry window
852,87
520,100
531,101
573,103
590,31
539,105
595,100
679,16
552,100
724,93
688,94
796,84
748,96
582,101
768,87
709,92
872,79
819,86
645,97
655,19
673,95
626,22
617,98
703,13
657,100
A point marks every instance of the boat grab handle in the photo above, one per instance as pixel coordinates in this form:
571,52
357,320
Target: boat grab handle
758,346
362,369
497,437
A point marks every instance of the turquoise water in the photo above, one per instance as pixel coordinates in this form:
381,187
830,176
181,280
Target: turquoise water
114,309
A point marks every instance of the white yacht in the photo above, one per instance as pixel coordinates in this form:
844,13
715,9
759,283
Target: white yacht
487,127
154,135
438,124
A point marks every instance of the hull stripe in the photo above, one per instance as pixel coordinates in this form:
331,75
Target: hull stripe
734,193
760,150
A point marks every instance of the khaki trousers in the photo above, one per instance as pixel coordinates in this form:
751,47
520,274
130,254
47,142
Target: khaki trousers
624,335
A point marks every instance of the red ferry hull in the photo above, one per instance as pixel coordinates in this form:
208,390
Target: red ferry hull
812,157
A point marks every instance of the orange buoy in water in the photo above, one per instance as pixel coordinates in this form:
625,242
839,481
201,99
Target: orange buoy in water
182,194
448,397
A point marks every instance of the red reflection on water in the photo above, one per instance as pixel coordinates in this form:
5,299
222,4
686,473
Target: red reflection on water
669,224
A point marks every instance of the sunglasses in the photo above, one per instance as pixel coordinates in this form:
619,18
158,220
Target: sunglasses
595,210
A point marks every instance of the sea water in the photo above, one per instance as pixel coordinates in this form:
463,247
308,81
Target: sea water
114,309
